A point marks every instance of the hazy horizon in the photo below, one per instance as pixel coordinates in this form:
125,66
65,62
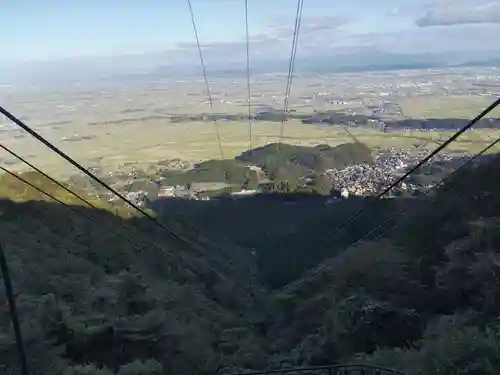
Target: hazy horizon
64,41
62,73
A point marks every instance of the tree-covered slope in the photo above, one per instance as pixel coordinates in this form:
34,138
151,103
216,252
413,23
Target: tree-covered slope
281,162
435,278
88,296
424,299
301,159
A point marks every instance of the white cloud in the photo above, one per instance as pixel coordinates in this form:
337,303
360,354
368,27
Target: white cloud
316,33
324,36
449,13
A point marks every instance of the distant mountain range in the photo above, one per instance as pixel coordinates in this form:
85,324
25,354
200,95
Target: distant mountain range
361,62
139,70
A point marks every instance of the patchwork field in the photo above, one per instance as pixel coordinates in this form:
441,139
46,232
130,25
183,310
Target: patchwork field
146,143
455,106
111,127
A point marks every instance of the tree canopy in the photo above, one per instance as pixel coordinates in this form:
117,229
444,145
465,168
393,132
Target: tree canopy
423,299
280,163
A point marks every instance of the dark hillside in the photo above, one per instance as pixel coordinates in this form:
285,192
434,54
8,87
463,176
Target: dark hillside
280,226
425,299
287,250
251,221
87,296
435,279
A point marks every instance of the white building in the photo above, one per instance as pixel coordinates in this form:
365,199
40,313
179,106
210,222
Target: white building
344,193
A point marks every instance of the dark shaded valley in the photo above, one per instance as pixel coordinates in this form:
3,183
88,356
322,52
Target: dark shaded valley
252,286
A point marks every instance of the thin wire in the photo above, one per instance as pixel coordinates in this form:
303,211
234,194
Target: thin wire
248,77
348,132
14,316
299,22
61,185
436,187
430,204
202,61
5,268
34,134
412,170
422,208
90,218
76,195
95,220
291,64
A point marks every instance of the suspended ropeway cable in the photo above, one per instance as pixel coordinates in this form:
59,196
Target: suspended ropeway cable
134,233
76,211
450,140
249,96
423,207
441,183
281,136
13,312
5,267
291,66
80,198
48,144
205,77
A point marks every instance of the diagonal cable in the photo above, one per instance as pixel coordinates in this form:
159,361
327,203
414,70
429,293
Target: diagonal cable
207,85
76,195
87,217
248,78
13,312
422,208
77,165
436,187
291,65
412,170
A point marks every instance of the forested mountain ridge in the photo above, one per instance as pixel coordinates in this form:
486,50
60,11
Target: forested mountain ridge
424,299
274,156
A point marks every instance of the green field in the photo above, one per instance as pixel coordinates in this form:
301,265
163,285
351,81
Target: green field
111,138
147,143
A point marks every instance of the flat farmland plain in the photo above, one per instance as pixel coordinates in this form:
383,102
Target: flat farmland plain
122,124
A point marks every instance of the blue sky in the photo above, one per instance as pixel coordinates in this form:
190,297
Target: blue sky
54,29
160,30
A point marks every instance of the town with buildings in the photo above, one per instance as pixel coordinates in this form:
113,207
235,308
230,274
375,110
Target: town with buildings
354,180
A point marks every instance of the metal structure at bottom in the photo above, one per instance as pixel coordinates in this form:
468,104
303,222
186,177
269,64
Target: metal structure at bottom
354,369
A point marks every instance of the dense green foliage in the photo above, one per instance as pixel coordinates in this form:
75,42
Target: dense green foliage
423,299
229,171
275,157
89,297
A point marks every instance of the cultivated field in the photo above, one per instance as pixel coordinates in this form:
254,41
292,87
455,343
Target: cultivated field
149,142
118,125
456,106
